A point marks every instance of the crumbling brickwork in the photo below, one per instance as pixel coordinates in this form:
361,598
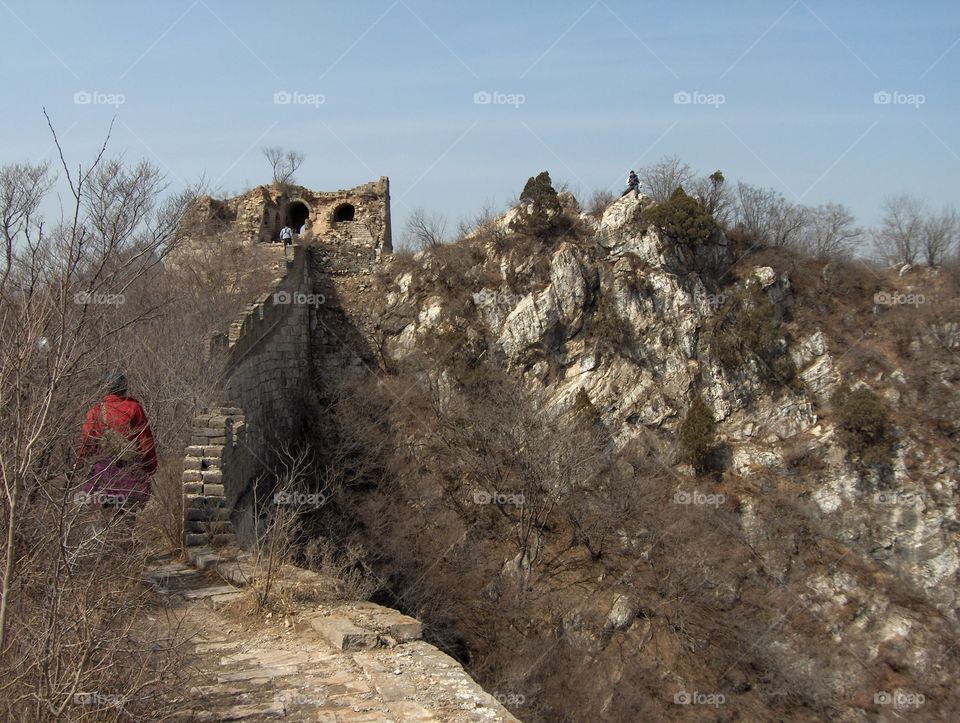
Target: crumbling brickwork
206,514
354,220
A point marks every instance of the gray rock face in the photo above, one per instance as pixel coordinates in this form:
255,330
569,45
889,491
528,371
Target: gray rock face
558,307
625,319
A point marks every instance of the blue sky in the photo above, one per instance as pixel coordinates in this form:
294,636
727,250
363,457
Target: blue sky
782,92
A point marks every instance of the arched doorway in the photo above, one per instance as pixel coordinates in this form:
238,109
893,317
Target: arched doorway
344,212
297,215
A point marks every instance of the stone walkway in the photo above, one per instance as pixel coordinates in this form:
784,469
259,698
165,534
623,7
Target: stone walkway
319,662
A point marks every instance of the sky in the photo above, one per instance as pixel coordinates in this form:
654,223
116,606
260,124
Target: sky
460,102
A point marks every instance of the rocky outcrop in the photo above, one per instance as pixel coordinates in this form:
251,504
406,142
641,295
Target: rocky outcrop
623,318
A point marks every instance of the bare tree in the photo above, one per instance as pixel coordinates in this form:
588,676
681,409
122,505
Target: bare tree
715,195
599,201
423,230
67,611
939,235
831,231
662,178
900,236
768,217
283,163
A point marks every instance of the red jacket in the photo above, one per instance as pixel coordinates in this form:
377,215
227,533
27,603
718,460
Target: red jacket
125,415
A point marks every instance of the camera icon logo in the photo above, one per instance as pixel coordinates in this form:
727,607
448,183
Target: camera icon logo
83,97
482,97
882,298
882,97
882,698
682,97
682,698
681,497
282,97
481,498
282,297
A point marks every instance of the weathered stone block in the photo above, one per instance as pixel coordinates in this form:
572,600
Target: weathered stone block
192,475
193,463
193,488
403,628
198,526
193,539
342,634
207,431
195,514
213,490
202,502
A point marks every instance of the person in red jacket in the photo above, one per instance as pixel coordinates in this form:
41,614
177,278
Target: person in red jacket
117,437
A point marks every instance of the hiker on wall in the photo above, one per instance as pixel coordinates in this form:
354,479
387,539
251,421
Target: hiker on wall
117,437
286,235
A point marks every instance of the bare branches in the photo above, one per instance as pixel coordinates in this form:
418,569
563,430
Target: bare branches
909,232
74,295
939,235
283,164
423,230
662,178
898,238
831,230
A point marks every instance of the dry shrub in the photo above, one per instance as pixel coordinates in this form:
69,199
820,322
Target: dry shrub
161,521
864,424
696,435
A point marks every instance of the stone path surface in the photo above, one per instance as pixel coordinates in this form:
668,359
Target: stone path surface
316,662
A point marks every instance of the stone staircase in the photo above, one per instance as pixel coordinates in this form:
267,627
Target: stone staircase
323,661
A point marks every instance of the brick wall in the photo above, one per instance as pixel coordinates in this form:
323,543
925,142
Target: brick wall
266,368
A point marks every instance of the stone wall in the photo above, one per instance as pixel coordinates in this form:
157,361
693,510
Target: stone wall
266,365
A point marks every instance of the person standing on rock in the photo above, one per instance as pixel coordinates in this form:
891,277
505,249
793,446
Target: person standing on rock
286,235
117,437
633,184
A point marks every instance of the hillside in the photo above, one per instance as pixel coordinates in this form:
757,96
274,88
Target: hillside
517,460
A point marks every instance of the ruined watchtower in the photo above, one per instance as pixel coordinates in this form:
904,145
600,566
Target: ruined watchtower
351,225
